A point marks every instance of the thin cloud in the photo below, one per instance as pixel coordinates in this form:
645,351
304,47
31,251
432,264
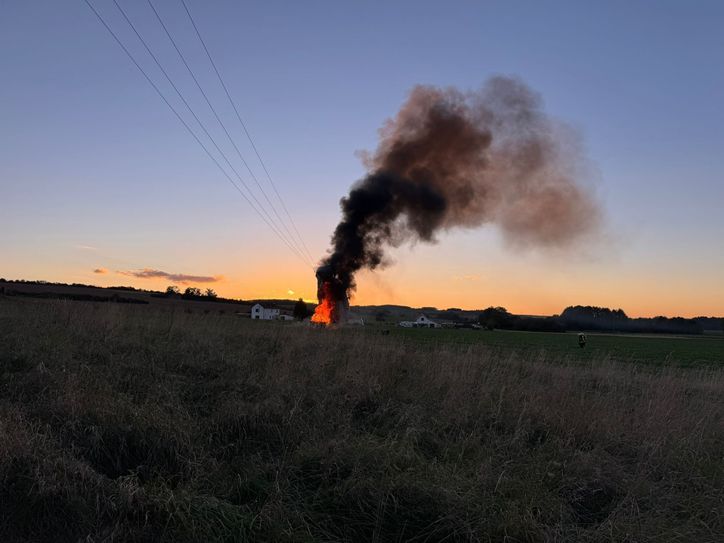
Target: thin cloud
86,248
101,271
181,278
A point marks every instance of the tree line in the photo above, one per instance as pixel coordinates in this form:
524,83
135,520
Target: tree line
601,319
191,293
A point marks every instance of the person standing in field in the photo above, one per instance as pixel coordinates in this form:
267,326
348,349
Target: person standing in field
581,340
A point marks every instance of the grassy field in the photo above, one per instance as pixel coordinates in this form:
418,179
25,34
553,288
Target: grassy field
142,423
652,349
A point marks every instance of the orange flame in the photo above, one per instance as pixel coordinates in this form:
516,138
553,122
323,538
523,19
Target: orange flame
323,312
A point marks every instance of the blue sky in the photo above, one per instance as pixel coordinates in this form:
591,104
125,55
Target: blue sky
90,156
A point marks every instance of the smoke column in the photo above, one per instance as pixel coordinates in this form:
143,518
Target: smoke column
452,159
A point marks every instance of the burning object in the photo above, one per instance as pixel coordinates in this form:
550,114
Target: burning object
452,159
333,305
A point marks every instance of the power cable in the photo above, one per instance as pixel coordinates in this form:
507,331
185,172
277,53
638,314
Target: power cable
190,109
185,124
243,125
223,126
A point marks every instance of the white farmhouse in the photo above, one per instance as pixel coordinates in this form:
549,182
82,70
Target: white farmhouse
264,313
421,322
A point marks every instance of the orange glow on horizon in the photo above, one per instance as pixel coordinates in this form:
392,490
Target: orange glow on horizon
547,298
639,295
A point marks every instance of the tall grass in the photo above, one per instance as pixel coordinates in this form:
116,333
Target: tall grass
126,423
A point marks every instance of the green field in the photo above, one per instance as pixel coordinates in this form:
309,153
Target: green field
660,350
170,423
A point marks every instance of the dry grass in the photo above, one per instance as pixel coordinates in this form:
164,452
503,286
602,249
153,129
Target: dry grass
126,423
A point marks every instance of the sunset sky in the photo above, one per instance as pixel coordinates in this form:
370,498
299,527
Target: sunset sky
99,180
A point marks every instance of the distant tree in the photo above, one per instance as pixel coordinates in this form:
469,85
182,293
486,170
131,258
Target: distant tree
210,293
300,310
192,292
595,318
382,315
495,317
171,290
602,318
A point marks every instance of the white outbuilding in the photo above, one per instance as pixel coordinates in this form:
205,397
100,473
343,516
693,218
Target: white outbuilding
354,320
421,322
264,313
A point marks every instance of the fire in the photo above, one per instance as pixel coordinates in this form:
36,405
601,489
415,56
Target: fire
323,312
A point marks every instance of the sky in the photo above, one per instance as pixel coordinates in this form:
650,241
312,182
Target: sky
100,181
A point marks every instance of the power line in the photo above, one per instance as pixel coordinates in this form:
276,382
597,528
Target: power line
183,122
243,125
203,127
190,109
223,126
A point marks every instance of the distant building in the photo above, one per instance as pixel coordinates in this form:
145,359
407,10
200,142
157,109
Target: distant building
284,317
354,320
421,322
264,313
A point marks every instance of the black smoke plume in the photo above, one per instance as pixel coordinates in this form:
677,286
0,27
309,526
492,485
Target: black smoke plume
453,159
